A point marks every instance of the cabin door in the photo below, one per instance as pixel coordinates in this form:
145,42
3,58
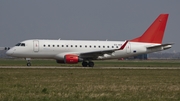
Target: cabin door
36,45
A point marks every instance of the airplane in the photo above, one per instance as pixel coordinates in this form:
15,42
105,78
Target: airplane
74,51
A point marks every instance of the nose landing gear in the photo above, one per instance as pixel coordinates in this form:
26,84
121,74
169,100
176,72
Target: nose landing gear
28,61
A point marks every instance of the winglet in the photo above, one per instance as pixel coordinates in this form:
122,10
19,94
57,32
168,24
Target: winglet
122,47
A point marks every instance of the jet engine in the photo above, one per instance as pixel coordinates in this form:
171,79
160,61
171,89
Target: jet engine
70,59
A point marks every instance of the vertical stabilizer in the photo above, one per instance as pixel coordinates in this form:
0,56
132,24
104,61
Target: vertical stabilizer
155,33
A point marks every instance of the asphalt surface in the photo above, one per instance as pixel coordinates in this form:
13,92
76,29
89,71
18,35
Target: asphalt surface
90,67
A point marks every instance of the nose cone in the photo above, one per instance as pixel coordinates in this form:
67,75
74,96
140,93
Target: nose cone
9,52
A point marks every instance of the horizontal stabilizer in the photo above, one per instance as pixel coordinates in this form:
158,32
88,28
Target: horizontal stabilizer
163,46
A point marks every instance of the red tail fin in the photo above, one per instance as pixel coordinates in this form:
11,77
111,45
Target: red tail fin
155,33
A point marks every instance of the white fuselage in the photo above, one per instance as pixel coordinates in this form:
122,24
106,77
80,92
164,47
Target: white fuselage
74,51
57,49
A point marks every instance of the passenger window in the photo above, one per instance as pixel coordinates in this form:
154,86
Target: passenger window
48,45
103,46
107,46
44,45
66,45
112,46
53,45
116,46
90,46
57,45
62,45
71,45
99,46
75,45
85,46
80,46
94,46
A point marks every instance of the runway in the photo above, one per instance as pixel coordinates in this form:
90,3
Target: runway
90,67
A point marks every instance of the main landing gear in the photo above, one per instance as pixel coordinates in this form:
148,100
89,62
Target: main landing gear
90,64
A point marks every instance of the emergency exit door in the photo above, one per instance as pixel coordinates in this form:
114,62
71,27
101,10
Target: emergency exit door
36,45
128,48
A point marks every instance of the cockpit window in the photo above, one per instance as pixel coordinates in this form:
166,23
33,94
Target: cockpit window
22,44
18,44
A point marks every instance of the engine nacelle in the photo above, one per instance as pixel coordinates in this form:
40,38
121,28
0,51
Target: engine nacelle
70,59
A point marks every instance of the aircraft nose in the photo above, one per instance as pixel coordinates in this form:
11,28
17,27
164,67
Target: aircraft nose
9,52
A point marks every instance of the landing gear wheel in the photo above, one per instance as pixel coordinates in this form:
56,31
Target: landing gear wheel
84,64
28,64
91,64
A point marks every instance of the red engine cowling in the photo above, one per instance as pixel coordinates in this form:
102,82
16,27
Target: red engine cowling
70,58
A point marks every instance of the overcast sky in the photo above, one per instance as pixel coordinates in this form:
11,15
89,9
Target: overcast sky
116,20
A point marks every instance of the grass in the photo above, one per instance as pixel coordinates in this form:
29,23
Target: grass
87,84
107,63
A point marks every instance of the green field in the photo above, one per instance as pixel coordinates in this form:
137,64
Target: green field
106,63
90,84
87,84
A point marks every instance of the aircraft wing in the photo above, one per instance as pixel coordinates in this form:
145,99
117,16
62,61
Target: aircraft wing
164,46
95,54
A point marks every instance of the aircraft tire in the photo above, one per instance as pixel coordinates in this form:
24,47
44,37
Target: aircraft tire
91,64
84,64
28,64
